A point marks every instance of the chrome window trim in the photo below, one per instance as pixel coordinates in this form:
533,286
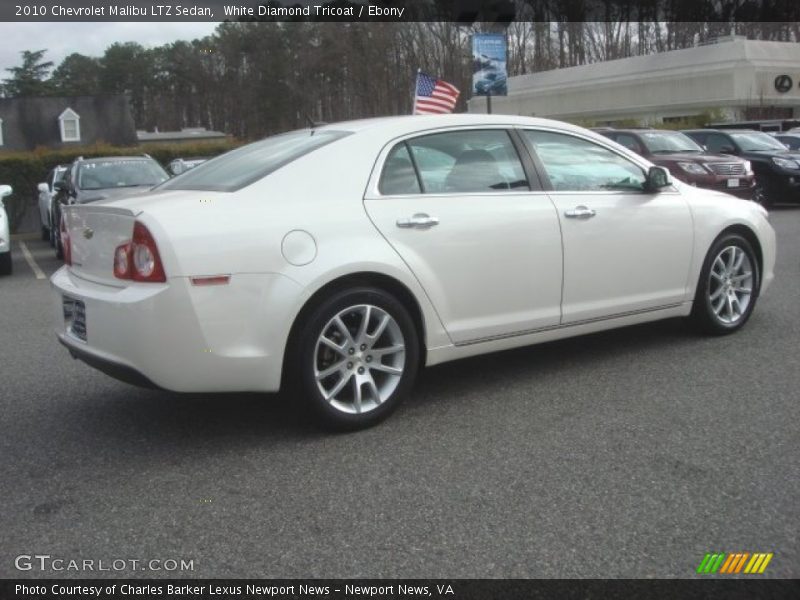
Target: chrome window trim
373,193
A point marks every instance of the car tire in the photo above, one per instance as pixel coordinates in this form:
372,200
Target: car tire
58,247
762,194
5,263
357,355
728,287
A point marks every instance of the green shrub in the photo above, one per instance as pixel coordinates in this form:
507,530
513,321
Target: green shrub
25,170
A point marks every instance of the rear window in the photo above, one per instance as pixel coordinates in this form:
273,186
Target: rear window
241,167
101,175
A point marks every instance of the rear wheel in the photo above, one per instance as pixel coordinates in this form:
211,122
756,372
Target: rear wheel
357,356
728,287
5,263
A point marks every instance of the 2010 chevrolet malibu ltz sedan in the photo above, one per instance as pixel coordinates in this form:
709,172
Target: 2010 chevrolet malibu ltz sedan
342,259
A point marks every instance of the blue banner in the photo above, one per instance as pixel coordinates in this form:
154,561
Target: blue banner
489,74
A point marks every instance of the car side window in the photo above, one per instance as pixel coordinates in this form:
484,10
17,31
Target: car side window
471,161
576,165
716,142
627,140
399,176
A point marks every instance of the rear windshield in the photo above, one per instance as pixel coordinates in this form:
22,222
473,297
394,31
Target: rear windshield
103,175
243,166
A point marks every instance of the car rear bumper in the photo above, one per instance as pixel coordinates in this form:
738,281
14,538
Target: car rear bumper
109,367
180,337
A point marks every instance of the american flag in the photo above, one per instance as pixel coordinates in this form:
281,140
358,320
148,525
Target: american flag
434,96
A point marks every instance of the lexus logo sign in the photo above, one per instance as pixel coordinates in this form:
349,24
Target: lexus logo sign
783,83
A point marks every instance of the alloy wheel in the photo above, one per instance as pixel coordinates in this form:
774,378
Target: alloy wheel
730,288
359,359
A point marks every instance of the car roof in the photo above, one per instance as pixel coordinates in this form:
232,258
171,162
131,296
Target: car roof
703,130
412,123
113,159
643,130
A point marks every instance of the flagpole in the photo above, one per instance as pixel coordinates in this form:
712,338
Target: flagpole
414,96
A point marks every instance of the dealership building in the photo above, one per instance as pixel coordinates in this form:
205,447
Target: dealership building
740,79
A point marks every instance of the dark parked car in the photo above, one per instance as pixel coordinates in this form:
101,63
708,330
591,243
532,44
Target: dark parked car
776,167
46,192
790,140
688,161
93,179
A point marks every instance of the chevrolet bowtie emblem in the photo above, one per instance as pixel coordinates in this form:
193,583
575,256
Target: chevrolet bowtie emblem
88,233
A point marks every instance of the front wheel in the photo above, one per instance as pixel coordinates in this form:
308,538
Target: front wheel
358,355
762,194
728,287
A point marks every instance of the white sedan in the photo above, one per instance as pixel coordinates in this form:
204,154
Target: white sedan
344,258
5,233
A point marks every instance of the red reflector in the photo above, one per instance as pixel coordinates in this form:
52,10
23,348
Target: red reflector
213,280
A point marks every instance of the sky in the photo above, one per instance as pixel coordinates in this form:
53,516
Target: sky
62,39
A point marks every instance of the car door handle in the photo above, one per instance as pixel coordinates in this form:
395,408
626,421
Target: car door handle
421,220
580,212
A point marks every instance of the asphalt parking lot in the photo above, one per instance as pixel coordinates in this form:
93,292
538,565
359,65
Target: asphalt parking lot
624,454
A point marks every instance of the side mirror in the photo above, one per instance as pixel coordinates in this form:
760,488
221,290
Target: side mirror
658,178
5,190
42,187
59,186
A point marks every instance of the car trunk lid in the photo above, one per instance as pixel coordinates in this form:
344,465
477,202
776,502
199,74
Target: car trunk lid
95,231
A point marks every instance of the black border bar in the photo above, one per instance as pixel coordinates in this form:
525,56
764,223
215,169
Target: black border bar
371,589
465,12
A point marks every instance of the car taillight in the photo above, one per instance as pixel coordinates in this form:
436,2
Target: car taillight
139,259
66,245
122,261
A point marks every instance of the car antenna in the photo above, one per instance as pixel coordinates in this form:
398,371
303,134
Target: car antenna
312,123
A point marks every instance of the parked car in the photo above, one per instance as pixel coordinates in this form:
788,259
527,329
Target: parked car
5,233
46,194
790,140
93,179
338,261
179,165
777,168
688,161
